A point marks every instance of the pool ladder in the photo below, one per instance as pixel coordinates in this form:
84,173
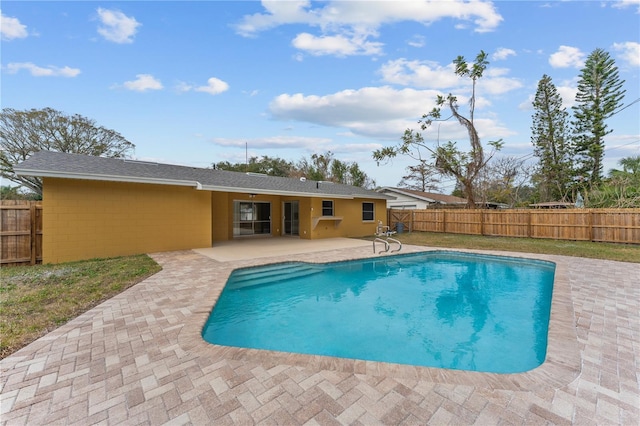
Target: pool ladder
387,246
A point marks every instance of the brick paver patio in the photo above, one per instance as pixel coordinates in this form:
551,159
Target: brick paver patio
138,359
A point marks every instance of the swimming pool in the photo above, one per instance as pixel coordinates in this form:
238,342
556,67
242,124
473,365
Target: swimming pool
435,309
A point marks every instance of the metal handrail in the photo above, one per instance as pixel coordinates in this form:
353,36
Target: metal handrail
380,240
383,235
393,240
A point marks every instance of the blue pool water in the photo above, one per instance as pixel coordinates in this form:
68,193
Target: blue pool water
436,309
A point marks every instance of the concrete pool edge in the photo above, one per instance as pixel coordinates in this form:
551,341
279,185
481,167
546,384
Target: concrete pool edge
561,366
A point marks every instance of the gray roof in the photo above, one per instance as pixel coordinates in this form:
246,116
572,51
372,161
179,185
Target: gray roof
75,166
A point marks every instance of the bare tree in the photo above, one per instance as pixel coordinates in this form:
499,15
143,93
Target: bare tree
421,177
465,167
504,180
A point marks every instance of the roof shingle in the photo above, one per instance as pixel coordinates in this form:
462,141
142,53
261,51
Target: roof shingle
76,166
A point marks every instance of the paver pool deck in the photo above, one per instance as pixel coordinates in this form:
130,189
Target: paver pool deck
138,358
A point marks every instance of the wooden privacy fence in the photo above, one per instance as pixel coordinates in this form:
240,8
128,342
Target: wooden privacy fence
601,225
20,232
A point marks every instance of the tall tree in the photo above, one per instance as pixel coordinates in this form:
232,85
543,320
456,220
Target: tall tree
16,193
449,159
599,94
630,167
271,166
551,142
318,167
620,190
328,168
23,133
421,177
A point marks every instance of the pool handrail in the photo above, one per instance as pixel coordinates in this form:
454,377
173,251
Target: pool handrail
380,240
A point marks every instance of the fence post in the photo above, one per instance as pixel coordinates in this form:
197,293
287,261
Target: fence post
32,212
444,221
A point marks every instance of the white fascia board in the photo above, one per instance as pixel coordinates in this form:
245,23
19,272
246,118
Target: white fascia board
407,194
110,178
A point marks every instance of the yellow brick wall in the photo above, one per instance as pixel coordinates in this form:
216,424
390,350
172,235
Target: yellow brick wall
351,224
89,219
221,216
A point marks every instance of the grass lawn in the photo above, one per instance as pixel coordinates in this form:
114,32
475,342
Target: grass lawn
37,299
609,251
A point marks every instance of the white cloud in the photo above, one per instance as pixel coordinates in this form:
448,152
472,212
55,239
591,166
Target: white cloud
427,74
629,52
416,41
214,86
37,71
499,85
368,104
419,74
356,14
346,27
338,45
567,57
377,112
183,87
116,26
621,4
503,53
568,95
11,28
143,83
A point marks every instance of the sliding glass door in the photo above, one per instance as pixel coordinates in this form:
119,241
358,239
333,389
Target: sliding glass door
251,218
291,218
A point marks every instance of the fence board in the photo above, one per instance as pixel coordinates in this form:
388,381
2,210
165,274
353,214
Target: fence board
20,232
515,223
598,225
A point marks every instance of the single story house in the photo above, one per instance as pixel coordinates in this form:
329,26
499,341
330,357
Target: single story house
412,199
418,200
104,207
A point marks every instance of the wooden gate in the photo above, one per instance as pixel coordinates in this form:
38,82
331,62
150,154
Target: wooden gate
396,217
20,232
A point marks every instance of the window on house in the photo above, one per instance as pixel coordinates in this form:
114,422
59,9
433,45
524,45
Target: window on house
367,212
327,207
251,218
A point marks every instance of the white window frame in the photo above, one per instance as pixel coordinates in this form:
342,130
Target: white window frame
333,211
372,211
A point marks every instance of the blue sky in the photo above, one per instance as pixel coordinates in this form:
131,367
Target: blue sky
195,83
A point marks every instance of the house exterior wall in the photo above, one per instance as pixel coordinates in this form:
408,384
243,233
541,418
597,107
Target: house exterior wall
405,202
86,219
350,223
221,216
